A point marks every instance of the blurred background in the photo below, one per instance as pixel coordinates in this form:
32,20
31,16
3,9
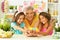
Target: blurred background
8,7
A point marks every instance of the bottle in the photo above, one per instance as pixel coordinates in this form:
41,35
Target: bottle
56,27
5,6
52,0
49,0
56,1
55,12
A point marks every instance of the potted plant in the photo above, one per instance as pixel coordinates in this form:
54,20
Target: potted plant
11,9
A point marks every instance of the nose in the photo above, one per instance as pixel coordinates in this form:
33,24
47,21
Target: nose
21,20
41,20
29,15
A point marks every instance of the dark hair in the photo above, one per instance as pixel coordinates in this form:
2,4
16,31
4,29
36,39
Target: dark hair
15,18
46,15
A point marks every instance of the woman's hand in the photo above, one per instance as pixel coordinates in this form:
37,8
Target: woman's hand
28,33
31,33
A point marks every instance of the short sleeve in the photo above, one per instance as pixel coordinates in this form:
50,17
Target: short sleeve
22,25
13,24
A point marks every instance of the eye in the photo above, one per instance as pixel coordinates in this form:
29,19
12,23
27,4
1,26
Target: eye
26,13
31,13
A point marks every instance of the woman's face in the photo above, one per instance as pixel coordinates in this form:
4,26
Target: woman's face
43,19
29,14
20,20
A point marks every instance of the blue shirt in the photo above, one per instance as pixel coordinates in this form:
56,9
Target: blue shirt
13,24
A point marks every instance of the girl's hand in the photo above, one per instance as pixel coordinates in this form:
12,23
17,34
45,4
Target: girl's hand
29,32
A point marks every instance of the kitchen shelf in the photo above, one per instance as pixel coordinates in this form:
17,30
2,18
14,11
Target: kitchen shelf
10,14
53,3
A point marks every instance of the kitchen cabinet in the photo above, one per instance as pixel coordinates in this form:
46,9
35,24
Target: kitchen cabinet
54,9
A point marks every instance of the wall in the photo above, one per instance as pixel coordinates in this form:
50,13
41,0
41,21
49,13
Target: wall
40,5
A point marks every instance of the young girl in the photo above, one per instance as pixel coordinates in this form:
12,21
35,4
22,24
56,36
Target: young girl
45,24
18,25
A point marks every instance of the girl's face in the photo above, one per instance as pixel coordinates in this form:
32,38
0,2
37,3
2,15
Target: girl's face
20,20
29,14
43,19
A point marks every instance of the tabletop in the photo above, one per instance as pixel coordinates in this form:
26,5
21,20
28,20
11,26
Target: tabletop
23,37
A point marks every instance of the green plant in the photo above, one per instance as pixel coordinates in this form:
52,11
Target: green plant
11,7
1,26
15,7
57,29
5,25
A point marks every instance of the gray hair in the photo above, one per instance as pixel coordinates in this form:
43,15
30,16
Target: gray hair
29,7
